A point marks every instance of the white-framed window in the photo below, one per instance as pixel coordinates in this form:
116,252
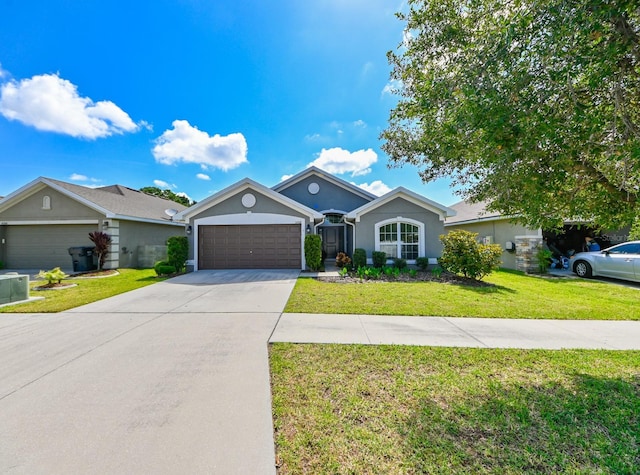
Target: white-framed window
46,202
400,237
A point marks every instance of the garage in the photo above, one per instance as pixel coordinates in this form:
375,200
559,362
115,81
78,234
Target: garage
251,246
44,246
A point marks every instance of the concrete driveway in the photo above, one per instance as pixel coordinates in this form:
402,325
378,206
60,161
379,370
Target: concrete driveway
170,378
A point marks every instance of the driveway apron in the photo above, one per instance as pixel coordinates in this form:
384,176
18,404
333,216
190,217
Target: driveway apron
170,378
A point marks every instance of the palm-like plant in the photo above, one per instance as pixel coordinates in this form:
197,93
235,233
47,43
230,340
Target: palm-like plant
102,242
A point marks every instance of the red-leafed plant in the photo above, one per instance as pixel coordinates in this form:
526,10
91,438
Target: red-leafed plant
102,242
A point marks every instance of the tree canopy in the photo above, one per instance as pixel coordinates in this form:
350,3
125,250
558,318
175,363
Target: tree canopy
167,194
531,105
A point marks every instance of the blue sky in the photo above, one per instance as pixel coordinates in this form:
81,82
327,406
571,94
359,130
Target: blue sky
194,95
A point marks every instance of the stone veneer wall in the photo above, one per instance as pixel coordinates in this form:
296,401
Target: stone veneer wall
526,249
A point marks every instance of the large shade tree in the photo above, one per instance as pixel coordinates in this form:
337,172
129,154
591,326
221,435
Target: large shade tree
532,105
168,195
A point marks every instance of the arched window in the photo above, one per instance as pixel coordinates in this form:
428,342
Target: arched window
400,237
46,202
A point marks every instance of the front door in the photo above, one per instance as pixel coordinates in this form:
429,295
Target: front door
332,240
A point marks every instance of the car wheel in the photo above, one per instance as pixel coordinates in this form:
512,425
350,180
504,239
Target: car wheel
583,269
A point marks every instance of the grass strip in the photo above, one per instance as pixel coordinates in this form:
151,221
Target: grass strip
343,409
511,295
86,291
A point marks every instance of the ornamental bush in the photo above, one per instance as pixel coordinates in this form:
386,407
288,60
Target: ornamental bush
178,252
422,263
343,261
52,275
463,254
313,251
164,268
359,258
379,258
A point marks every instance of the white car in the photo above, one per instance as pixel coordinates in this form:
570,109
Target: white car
620,262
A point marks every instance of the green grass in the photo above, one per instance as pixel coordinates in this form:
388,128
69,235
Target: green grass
512,295
383,409
86,291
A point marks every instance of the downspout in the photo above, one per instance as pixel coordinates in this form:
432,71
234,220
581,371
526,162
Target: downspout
315,226
353,243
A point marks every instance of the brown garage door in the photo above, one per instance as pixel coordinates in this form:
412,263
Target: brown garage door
267,246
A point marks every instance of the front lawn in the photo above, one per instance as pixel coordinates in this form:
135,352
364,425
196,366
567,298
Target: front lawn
86,291
381,409
511,295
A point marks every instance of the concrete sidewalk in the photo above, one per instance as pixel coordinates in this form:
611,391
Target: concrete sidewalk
464,332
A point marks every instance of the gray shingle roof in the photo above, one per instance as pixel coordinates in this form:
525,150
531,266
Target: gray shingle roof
466,211
123,201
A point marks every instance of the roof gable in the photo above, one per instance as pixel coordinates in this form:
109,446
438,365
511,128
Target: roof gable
314,171
115,201
442,211
245,184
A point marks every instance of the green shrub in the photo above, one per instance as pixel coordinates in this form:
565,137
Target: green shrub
634,232
379,258
463,254
343,261
369,273
422,263
543,256
343,272
178,252
1,265
391,271
164,268
52,275
313,251
400,263
359,258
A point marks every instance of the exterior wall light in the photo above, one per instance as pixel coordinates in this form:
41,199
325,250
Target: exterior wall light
189,229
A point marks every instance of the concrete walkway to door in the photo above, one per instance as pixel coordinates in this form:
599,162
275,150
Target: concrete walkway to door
170,378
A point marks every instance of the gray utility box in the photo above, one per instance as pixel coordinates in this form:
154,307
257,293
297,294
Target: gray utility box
14,288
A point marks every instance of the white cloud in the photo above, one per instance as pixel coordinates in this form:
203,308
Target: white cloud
80,177
3,73
312,137
202,176
184,195
48,102
285,177
340,161
376,187
188,144
360,124
392,87
163,184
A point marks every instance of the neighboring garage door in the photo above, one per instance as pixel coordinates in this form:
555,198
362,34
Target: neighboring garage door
46,246
265,246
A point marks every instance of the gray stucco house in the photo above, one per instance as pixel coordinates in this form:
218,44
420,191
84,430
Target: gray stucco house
248,225
42,220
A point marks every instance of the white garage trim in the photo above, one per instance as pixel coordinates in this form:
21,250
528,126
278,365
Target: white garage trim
41,222
248,218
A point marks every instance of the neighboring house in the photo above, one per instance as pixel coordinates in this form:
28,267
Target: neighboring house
519,243
248,225
492,228
43,219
